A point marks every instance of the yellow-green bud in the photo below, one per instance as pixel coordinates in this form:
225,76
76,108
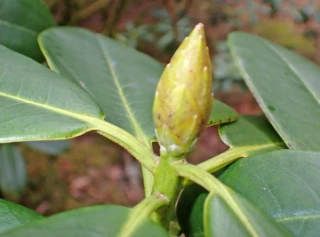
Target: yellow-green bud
183,97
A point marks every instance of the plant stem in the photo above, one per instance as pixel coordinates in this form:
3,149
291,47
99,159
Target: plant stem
231,155
147,176
148,181
221,160
168,183
198,175
141,150
142,211
213,185
135,147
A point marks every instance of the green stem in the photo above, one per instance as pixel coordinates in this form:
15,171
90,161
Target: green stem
142,211
213,185
221,160
140,149
148,181
147,176
233,154
168,183
197,175
135,147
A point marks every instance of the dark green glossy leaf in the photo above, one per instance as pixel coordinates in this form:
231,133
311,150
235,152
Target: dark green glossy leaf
53,148
286,86
237,217
122,80
38,104
190,210
285,184
13,215
221,113
98,221
248,135
20,23
13,174
250,132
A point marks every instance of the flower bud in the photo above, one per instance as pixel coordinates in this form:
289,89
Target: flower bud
183,97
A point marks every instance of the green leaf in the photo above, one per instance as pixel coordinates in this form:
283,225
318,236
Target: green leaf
285,184
250,132
98,221
286,86
37,104
53,148
122,80
13,215
221,113
247,136
190,210
13,174
237,217
20,23
227,213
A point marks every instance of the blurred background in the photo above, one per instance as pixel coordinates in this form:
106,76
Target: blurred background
90,170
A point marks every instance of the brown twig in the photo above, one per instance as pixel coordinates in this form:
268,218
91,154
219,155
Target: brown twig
187,6
52,3
67,13
90,10
171,8
115,13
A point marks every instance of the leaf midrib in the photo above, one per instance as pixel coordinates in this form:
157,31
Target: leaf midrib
257,147
134,124
85,118
237,209
294,218
18,27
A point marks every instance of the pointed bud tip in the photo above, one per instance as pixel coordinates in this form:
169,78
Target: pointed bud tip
197,33
200,29
199,26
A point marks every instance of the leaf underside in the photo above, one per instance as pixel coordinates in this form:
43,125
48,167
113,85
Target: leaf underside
13,174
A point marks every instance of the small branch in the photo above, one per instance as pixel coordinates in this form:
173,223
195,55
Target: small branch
135,147
168,183
150,204
67,13
187,7
171,8
215,187
52,3
141,211
114,16
216,163
90,10
199,176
